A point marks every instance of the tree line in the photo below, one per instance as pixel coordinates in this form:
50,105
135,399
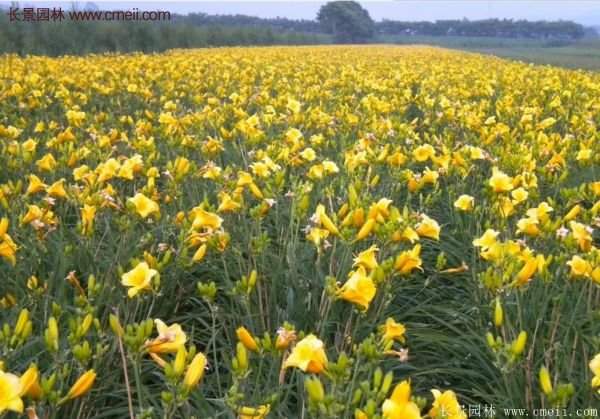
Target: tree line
338,21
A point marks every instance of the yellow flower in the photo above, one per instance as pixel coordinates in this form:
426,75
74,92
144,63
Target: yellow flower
408,260
519,195
428,227
10,393
580,267
138,279
358,289
500,181
169,339
595,367
582,234
82,385
325,221
227,204
204,219
367,258
30,385
399,406
200,253
8,248
393,330
88,213
46,163
464,203
317,235
144,206
573,213
380,210
308,355
527,271
57,189
487,240
366,229
545,381
195,371
446,406
35,185
423,152
259,412
528,226
247,339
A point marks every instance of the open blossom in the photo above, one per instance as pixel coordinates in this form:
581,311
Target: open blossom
358,289
169,340
464,203
308,355
138,279
144,206
10,393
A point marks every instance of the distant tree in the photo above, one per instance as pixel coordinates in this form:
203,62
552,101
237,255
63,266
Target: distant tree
347,21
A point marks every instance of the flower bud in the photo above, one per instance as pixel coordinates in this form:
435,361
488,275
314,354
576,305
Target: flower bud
545,381
315,390
195,371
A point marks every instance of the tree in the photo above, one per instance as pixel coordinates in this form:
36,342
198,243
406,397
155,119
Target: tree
348,21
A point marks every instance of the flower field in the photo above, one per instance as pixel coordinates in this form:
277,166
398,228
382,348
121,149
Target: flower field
313,232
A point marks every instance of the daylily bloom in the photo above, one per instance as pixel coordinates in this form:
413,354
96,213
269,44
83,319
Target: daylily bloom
10,393
358,289
428,227
399,405
464,203
308,355
138,279
144,206
408,260
393,330
580,266
500,181
367,258
446,405
169,339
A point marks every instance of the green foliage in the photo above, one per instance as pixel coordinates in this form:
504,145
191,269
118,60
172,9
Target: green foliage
348,21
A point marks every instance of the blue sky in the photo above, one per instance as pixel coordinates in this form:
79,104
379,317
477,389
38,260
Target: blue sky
583,11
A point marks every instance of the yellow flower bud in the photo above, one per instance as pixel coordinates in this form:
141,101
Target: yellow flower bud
518,345
314,388
246,339
82,385
545,381
115,325
179,362
195,371
498,313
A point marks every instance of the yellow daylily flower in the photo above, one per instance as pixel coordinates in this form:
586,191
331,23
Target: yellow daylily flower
428,227
358,289
308,355
399,405
367,259
169,339
144,206
409,260
465,203
138,279
445,405
500,181
393,330
10,393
